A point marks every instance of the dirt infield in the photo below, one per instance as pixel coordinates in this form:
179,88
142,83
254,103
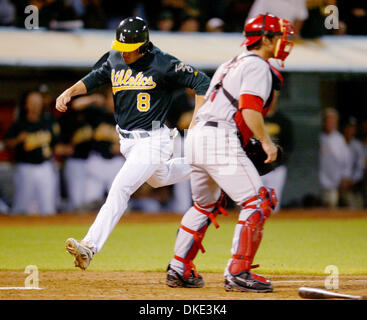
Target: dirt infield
104,285
94,285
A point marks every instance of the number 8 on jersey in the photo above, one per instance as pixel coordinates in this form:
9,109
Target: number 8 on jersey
143,102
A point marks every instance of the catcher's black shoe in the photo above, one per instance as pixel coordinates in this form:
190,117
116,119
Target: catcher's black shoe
247,281
174,280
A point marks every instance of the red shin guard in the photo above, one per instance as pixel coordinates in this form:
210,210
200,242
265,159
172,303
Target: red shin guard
211,212
198,238
252,231
248,243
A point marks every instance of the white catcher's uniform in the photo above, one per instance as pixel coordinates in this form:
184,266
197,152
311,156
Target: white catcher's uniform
148,159
218,161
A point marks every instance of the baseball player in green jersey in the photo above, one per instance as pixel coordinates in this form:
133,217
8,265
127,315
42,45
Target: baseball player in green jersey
143,79
33,137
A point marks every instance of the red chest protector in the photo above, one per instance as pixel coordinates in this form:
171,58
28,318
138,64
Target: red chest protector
244,132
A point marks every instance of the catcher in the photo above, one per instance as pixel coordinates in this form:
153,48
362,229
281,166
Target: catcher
239,96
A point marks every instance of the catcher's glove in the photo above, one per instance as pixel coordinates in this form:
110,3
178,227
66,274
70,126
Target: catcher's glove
257,155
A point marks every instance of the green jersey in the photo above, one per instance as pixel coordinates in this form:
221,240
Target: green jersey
143,90
40,138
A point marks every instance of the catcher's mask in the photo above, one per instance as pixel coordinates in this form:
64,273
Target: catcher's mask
131,34
270,25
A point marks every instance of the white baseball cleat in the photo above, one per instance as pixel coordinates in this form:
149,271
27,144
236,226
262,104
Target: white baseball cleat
82,254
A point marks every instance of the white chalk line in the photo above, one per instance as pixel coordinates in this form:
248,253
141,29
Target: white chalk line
277,281
20,288
321,280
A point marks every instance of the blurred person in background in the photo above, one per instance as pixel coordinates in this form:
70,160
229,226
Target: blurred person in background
78,6
209,9
6,169
6,165
33,137
214,25
354,14
114,10
48,99
353,197
7,13
90,131
77,138
335,168
314,26
4,208
235,13
145,199
20,15
58,15
362,133
105,160
279,128
189,24
294,11
184,102
165,21
184,12
93,14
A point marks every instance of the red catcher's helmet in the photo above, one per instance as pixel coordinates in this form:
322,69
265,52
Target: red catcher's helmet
263,25
269,25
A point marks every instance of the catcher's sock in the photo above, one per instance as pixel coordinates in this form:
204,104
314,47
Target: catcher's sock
178,266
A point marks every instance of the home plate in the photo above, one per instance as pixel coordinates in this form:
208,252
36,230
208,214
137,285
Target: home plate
20,288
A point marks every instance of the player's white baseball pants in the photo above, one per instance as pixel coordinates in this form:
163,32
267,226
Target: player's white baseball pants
147,160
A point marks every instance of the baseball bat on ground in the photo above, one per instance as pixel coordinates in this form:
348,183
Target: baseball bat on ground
316,293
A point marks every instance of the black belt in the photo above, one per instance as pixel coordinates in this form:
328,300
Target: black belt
211,124
131,136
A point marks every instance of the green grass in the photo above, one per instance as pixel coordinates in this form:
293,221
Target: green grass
288,247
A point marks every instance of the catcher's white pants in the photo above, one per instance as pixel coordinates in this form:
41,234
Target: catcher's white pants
218,162
147,160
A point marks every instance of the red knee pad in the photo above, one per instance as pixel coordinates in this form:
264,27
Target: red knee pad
266,193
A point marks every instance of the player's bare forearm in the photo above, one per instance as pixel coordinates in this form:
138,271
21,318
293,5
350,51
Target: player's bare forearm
255,121
199,101
64,98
